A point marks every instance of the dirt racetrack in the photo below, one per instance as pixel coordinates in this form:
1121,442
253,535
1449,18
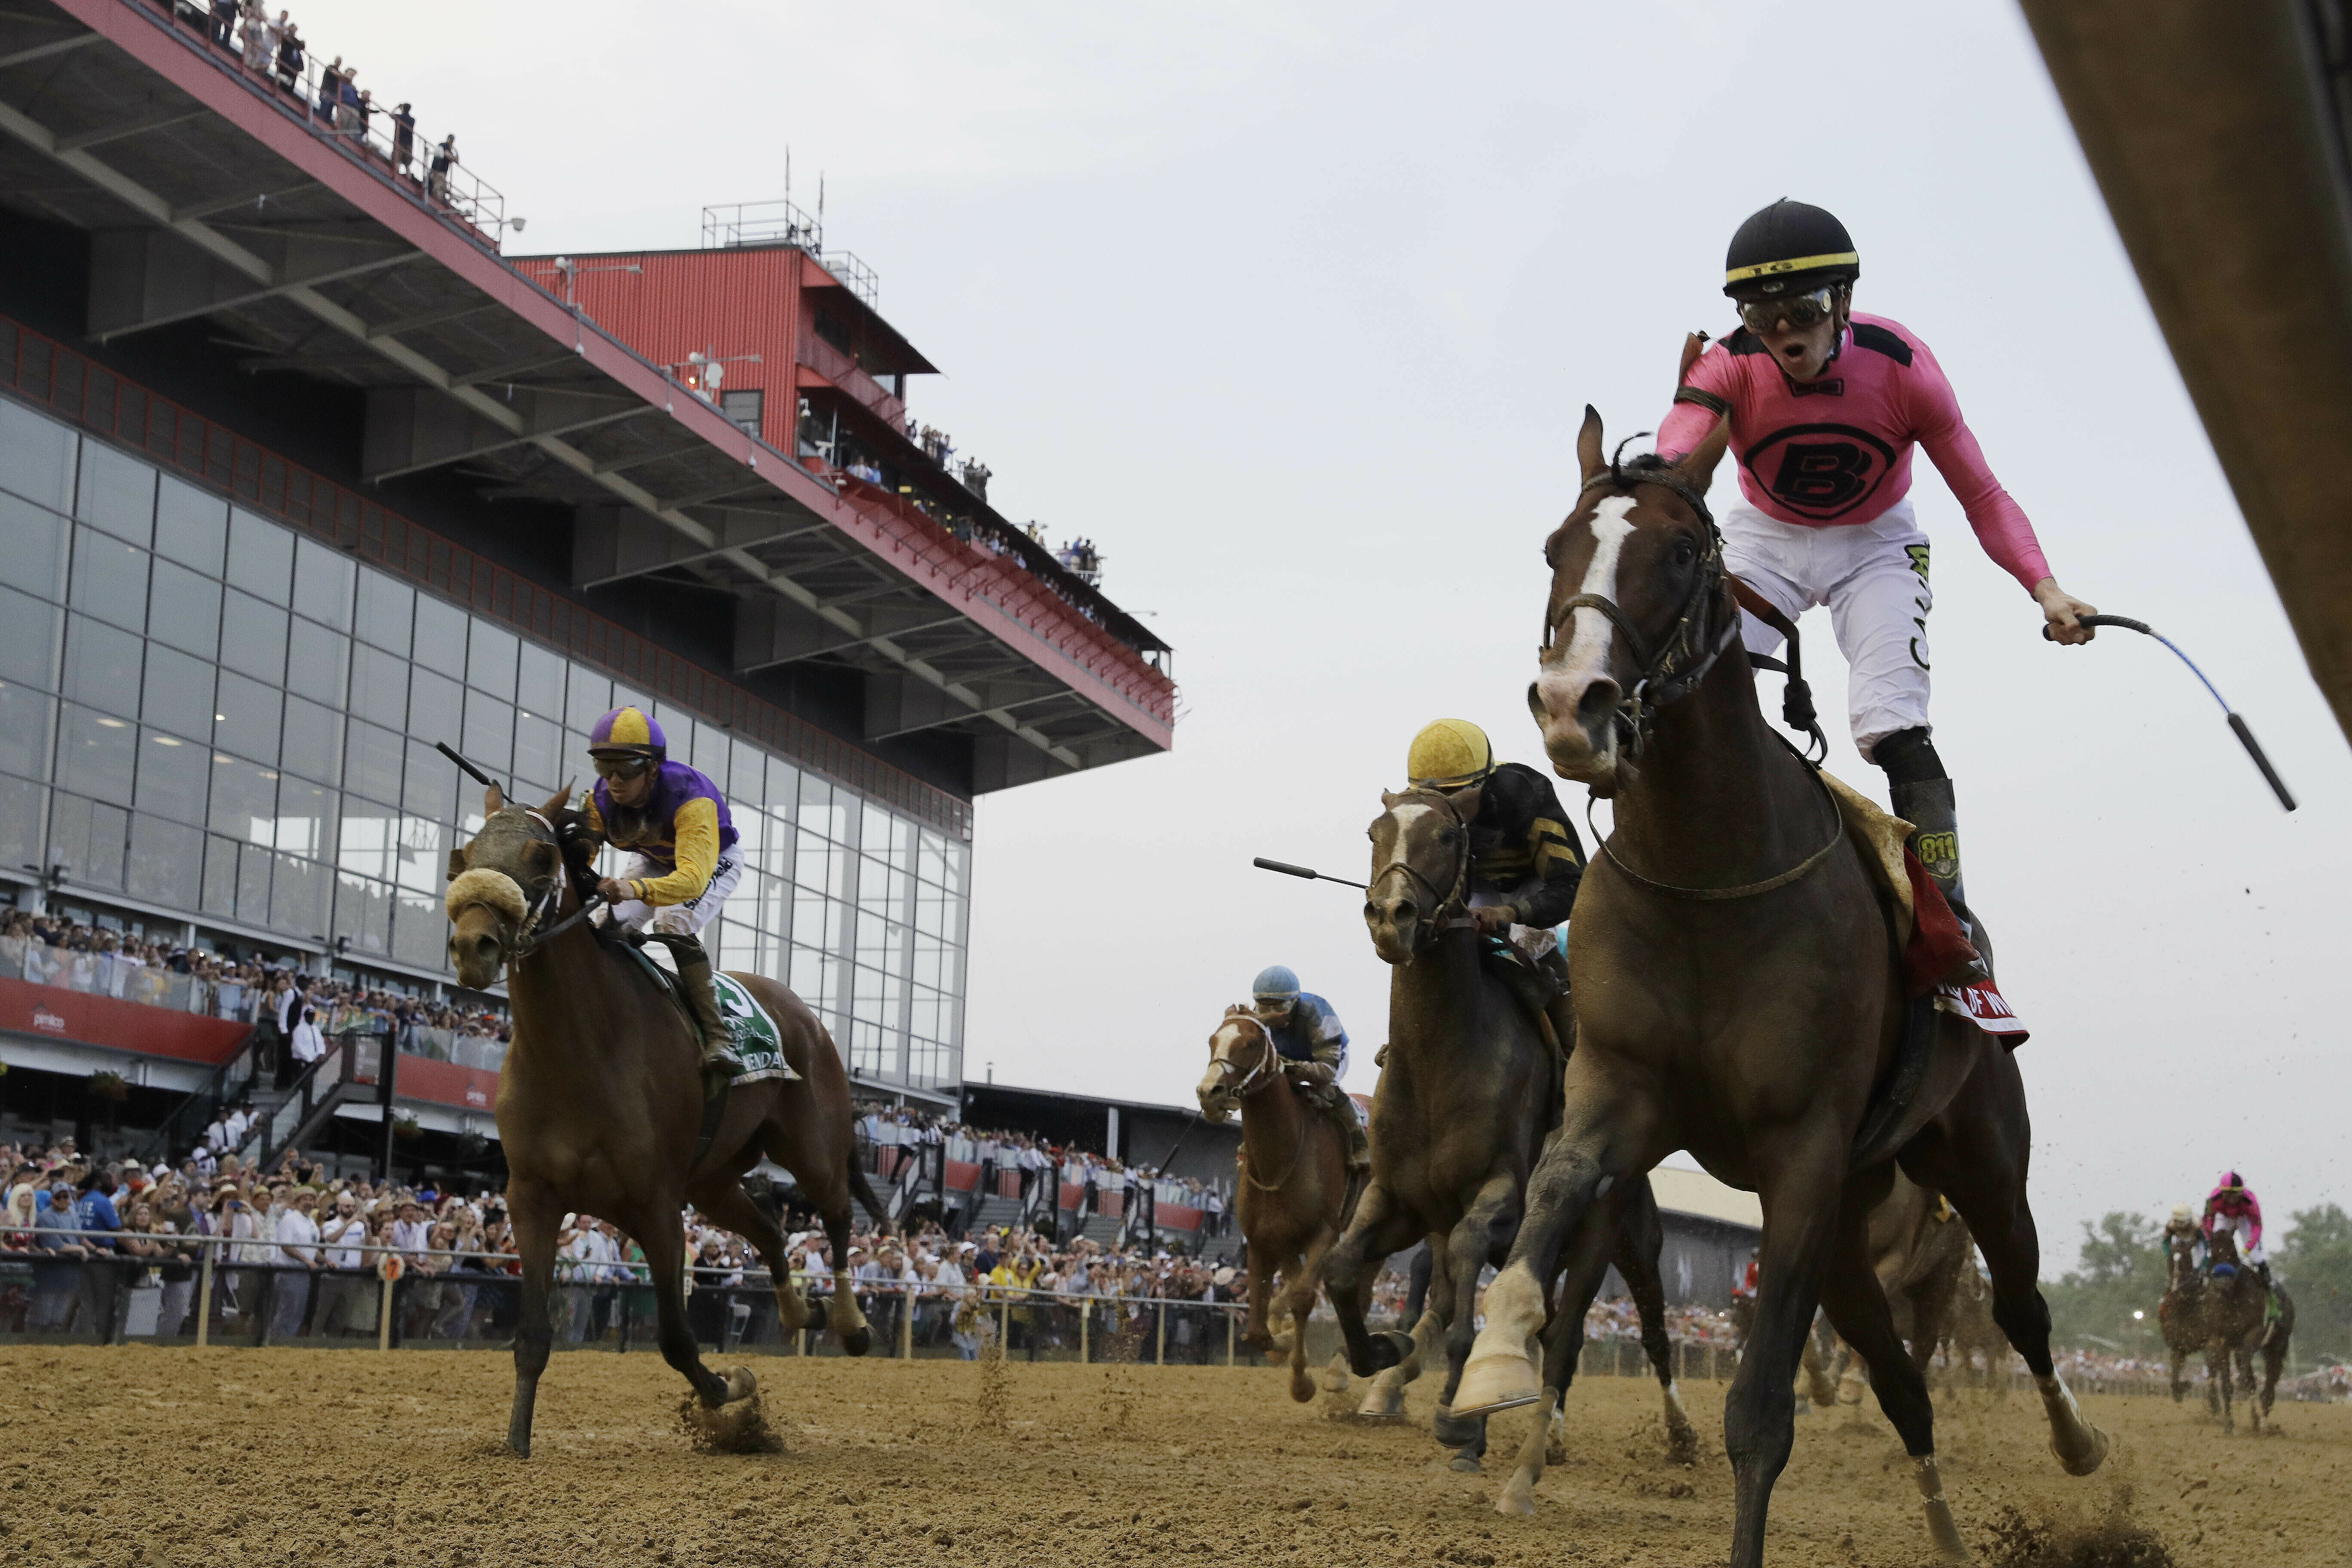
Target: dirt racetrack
152,1457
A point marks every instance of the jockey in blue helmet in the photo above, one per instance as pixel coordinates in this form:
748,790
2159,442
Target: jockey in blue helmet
682,857
1307,1036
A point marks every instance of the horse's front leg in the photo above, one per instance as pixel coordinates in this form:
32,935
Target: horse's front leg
664,1242
1493,1218
534,1213
1378,1229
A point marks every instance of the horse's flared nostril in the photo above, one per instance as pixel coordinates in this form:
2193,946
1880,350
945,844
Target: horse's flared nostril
1600,699
1536,701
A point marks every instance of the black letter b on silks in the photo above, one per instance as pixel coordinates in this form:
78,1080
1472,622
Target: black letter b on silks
1820,475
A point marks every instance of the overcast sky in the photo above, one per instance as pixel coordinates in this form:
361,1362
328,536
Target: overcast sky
1294,309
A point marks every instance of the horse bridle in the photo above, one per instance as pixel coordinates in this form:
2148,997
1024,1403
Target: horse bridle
527,938
1457,898
1673,669
1269,1067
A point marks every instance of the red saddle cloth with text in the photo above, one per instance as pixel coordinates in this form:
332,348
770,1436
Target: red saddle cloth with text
1938,946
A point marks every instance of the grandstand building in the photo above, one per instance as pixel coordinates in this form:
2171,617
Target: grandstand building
300,474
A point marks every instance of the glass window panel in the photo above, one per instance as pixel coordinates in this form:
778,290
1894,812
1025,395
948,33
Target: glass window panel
372,760
260,556
430,788
784,789
37,457
488,741
709,755
367,841
323,584
750,834
97,754
314,662
747,773
491,657
538,751
184,609
253,637
299,895
423,860
379,687
678,729
178,694
25,732
90,839
38,544
29,640
539,682
109,579
247,717
166,861
220,877
436,706
440,637
117,493
926,962
931,857
420,931
21,805
173,774
191,527
363,913
244,799
101,665
306,819
314,740
387,606
252,884
586,698
959,868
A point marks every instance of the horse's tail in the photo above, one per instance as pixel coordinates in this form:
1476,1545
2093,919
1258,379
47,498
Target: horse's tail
863,1191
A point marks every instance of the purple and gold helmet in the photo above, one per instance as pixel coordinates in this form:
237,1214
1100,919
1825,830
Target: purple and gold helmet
628,732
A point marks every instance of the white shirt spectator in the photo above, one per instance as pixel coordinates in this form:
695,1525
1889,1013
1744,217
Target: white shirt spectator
308,1044
412,1235
298,1235
349,1229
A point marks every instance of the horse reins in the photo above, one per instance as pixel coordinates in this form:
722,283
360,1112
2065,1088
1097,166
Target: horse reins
1455,898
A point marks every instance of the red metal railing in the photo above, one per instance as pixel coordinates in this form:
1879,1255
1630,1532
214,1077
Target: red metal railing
846,373
46,372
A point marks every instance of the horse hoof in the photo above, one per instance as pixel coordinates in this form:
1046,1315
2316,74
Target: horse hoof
858,1341
1516,1497
740,1385
1452,1428
1389,1347
1503,1381
2089,1454
1464,1463
1302,1388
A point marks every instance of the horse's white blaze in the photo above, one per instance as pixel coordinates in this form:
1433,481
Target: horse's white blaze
1587,658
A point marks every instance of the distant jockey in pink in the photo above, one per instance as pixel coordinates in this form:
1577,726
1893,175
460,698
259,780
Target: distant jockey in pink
1836,452
2232,1207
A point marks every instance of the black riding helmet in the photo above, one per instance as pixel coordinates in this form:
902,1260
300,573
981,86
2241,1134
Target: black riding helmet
1789,248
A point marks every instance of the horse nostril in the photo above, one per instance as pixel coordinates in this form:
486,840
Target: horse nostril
1536,703
1599,701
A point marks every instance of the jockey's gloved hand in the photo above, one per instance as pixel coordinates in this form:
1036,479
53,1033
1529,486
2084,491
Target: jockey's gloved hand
2064,613
1494,919
1315,1073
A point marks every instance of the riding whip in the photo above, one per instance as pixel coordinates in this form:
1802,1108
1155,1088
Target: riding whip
2237,725
1287,870
479,777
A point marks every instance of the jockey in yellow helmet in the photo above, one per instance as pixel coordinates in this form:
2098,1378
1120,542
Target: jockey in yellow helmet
1525,859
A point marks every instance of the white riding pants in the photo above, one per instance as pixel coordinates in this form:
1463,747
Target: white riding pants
681,920
1873,578
2242,1231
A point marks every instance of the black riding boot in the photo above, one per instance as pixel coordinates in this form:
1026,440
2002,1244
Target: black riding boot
717,1036
1921,793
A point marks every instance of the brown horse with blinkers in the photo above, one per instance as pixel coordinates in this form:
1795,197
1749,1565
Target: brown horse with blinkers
1739,994
601,1102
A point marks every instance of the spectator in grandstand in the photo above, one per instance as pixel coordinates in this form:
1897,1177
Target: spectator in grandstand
54,1282
290,59
297,1234
404,139
445,158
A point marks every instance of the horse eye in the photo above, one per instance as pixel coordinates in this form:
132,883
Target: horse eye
1684,552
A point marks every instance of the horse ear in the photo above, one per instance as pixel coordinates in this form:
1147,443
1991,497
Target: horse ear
1388,801
1697,468
458,862
494,801
1589,455
557,802
1465,802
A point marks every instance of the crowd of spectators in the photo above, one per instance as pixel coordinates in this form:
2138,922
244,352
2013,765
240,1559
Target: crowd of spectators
272,48
999,1151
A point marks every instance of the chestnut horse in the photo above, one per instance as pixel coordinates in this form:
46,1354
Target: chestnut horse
1293,1196
2181,1314
1739,996
601,1102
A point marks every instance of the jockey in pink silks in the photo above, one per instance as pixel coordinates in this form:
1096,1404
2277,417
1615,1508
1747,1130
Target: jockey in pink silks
2232,1209
1825,408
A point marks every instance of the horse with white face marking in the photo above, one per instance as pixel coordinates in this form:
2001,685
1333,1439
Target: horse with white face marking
1292,1195
1739,994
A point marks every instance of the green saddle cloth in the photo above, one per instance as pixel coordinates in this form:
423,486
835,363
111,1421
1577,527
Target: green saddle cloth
759,1044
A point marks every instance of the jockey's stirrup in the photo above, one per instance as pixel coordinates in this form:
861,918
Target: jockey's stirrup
1930,807
718,1057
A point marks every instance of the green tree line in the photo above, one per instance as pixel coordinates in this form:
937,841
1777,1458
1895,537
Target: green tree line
2121,1271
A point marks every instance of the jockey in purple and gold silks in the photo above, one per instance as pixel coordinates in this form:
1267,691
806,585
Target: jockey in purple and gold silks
683,862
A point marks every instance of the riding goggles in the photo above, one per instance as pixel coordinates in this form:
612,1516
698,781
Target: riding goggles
1799,311
620,767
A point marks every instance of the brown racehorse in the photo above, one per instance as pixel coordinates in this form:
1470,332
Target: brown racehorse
2239,1320
1739,996
601,1104
2181,1314
1293,1198
1919,1248
1464,1106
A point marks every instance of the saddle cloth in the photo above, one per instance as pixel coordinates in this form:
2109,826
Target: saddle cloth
1928,933
758,1042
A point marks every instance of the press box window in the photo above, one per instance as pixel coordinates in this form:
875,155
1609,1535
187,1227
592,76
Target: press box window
743,408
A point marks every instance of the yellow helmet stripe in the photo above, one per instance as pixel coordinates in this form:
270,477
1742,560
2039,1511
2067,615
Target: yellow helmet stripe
1796,264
